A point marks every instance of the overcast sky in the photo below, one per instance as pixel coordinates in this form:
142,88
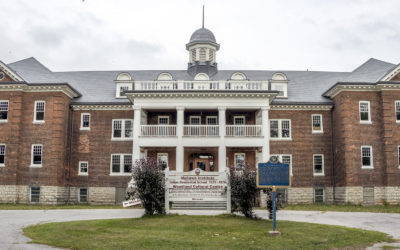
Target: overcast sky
128,34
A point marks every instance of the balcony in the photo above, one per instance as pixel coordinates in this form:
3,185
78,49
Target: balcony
201,130
201,85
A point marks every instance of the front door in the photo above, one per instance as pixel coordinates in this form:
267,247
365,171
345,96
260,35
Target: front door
202,164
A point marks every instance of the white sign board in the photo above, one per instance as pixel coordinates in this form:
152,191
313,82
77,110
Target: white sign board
196,185
131,203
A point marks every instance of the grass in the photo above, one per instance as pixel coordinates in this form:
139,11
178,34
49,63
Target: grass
10,206
198,232
345,208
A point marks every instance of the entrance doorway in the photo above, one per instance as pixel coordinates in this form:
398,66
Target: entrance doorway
203,161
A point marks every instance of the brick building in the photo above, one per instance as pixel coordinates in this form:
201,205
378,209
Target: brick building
72,136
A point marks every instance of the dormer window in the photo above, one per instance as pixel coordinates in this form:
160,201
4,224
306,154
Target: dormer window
238,76
165,77
124,83
279,83
201,77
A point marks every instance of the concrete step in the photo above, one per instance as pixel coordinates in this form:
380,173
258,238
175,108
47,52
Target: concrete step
199,205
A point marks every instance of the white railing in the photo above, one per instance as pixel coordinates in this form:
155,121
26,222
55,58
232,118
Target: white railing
243,130
201,130
158,130
201,85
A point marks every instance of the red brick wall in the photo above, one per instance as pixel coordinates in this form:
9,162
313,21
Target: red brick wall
95,146
396,78
303,145
6,78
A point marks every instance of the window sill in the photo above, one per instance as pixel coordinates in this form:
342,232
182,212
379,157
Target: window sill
35,166
6,121
367,167
319,174
2,165
38,122
365,122
83,174
115,174
280,139
87,129
397,121
317,132
121,139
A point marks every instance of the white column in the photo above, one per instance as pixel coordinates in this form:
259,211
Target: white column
179,134
136,132
222,147
265,132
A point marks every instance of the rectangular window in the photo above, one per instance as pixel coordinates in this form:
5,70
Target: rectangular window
36,158
121,164
319,195
83,168
240,159
211,120
35,194
365,114
280,129
397,107
2,154
318,162
39,111
163,120
317,124
366,157
3,111
85,121
122,129
398,155
286,159
121,88
239,120
83,195
162,159
195,120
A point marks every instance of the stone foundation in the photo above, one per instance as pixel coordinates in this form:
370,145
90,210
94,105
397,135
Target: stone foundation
102,195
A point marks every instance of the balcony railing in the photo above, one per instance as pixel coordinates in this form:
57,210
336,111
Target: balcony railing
201,130
243,130
201,85
158,130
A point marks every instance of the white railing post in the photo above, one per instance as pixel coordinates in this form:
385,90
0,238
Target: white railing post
265,133
222,134
179,132
136,132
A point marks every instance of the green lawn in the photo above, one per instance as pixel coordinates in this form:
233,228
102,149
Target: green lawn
197,232
345,208
9,206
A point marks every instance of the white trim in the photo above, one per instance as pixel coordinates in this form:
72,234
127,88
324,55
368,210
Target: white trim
312,124
398,155
194,116
8,111
395,110
162,117
280,84
391,74
82,127
163,154
122,138
41,155
323,165
234,158
6,70
5,148
212,116
239,116
121,165
118,91
280,138
44,112
87,167
369,112
300,107
102,107
371,156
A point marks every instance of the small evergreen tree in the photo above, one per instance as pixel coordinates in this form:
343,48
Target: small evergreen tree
150,184
243,188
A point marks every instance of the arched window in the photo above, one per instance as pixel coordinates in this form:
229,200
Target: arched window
124,77
238,76
164,77
201,77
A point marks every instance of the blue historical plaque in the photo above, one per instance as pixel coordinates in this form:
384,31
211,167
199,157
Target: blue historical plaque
273,174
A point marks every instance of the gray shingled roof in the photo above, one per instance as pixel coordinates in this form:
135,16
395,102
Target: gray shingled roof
99,86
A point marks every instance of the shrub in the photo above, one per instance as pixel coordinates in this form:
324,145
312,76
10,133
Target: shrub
150,184
243,189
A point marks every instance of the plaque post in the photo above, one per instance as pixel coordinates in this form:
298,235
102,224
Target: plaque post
274,208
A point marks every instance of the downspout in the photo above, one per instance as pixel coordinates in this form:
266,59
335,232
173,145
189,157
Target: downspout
333,159
71,130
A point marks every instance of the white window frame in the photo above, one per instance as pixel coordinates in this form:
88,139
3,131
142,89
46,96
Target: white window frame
194,116
312,124
121,165
5,148
323,193
162,117
44,112
240,117
371,155
284,85
280,130
82,127
398,155
8,111
280,157
122,138
79,195
118,91
396,104
369,112
234,158
163,154
41,155
30,194
80,168
323,165
212,117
